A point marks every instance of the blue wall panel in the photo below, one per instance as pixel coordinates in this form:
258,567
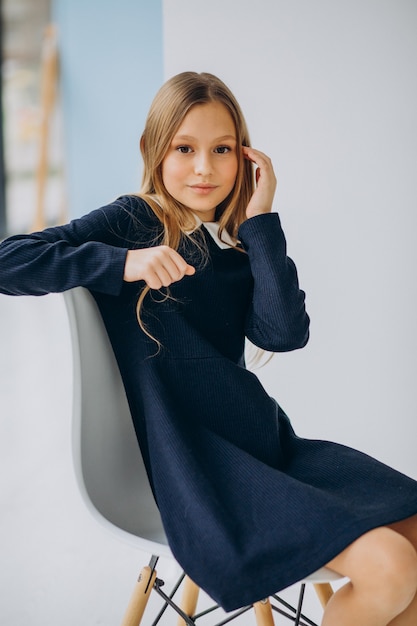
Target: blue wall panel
111,66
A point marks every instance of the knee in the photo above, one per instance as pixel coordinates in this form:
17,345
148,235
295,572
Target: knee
390,567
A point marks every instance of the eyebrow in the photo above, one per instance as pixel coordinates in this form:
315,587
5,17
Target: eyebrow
190,138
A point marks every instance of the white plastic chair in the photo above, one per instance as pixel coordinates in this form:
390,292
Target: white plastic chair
111,475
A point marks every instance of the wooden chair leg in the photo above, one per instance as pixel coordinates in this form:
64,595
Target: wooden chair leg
189,599
263,613
324,592
139,598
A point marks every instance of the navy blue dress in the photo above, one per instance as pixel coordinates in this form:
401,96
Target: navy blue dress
248,506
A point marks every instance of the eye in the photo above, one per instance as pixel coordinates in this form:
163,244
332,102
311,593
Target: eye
222,149
183,149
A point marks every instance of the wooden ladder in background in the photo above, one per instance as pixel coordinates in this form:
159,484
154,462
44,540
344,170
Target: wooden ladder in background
49,88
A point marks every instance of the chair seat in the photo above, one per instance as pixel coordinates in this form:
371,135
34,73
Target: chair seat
322,575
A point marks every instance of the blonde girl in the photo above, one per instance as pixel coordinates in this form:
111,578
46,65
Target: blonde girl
183,274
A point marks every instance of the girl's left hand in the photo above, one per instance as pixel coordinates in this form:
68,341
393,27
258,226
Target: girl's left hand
266,182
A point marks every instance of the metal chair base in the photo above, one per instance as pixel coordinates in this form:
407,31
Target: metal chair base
264,609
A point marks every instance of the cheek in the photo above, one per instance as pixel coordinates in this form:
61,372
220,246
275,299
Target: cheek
171,172
166,173
232,171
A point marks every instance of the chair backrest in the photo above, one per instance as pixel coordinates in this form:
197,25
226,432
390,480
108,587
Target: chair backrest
108,464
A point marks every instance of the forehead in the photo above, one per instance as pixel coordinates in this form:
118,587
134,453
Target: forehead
209,119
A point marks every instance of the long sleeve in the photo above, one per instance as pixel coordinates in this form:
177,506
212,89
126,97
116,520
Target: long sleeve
88,252
277,319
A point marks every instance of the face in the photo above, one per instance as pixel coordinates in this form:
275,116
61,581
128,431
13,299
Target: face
200,167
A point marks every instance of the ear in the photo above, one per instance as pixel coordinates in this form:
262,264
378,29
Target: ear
142,144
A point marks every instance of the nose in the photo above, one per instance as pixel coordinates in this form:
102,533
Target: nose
202,164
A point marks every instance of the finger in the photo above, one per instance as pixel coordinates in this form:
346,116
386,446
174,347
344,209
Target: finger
250,153
153,281
164,267
178,269
173,268
177,275
264,167
256,156
182,266
190,270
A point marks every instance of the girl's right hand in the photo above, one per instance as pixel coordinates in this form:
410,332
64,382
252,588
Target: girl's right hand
158,266
266,182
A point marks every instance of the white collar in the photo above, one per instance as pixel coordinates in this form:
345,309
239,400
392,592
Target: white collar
213,229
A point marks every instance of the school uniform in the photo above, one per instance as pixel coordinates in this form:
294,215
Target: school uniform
248,507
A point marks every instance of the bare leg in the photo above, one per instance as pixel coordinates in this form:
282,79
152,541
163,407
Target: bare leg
382,568
408,529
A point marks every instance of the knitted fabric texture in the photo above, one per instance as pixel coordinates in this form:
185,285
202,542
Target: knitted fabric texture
248,507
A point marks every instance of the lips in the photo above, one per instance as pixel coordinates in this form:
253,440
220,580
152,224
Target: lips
203,188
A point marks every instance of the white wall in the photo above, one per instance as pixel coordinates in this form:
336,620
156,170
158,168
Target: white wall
329,91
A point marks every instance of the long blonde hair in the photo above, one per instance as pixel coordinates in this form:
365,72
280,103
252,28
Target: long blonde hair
168,110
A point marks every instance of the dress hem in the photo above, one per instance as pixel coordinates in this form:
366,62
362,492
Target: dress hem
265,587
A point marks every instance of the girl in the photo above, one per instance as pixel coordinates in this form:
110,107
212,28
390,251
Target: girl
182,273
